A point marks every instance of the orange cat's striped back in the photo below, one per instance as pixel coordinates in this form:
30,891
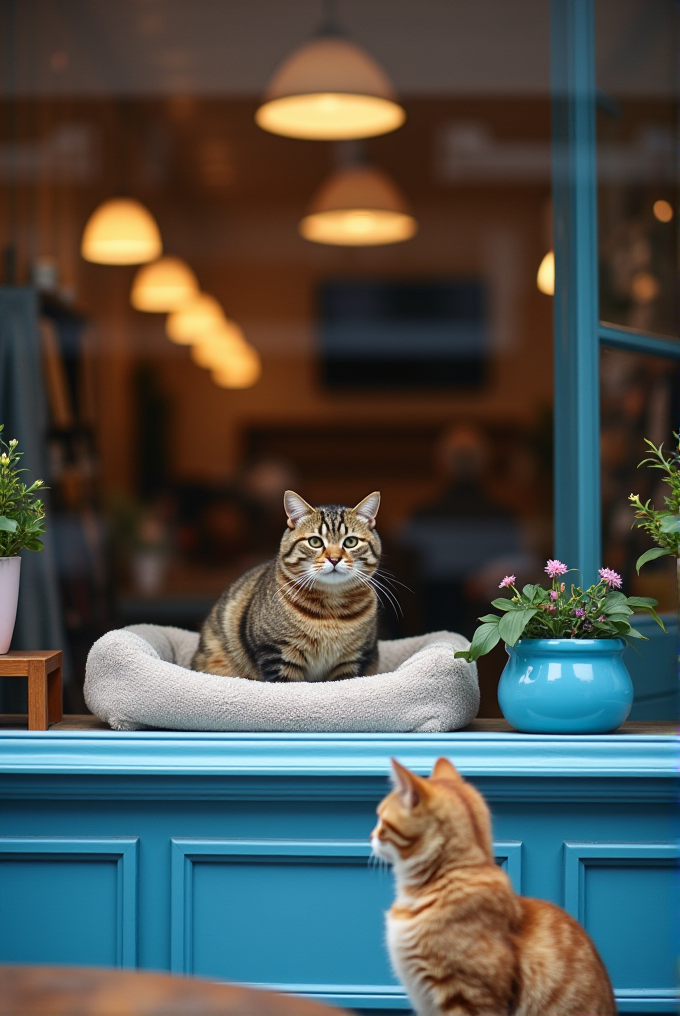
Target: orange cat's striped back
461,940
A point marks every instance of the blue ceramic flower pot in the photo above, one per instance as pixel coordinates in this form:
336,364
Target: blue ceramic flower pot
566,686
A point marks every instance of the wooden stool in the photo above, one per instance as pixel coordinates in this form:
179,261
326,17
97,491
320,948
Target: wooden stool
43,670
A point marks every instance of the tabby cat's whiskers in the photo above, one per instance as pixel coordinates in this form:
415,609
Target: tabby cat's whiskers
311,613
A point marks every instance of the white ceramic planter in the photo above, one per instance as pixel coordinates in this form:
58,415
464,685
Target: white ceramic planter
10,570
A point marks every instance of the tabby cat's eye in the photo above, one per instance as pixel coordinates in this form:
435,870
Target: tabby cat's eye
315,541
350,541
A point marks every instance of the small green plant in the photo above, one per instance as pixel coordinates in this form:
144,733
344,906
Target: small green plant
663,525
22,513
599,612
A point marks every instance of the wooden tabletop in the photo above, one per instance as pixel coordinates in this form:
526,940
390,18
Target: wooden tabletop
90,991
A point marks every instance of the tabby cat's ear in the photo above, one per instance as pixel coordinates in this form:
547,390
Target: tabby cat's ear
296,507
444,770
409,786
368,508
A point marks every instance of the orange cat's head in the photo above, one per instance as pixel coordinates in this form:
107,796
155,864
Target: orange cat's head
425,823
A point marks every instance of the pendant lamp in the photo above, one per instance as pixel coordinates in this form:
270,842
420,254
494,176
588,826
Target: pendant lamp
358,206
545,277
213,348
199,316
164,285
329,89
121,231
241,371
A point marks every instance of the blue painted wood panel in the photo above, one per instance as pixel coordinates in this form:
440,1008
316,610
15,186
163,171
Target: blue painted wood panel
68,900
238,839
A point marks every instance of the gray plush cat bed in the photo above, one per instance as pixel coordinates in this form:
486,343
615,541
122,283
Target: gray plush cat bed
137,678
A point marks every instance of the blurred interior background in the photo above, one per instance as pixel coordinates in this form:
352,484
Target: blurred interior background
421,367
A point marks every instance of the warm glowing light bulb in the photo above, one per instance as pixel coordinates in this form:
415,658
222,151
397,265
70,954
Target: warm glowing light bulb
330,89
199,316
545,277
358,206
663,211
358,227
163,286
242,371
121,232
216,347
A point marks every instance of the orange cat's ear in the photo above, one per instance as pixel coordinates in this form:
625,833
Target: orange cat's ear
296,508
368,508
409,786
444,770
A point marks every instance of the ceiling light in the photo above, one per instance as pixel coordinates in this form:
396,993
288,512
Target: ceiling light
330,89
164,285
199,316
358,207
214,348
241,371
121,231
663,210
545,277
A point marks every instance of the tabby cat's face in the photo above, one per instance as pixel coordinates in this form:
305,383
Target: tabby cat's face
330,546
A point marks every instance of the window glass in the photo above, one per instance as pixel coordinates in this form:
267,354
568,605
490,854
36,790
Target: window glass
637,119
421,368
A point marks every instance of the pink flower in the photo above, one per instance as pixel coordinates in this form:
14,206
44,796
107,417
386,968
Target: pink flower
579,612
551,608
602,617
555,568
554,595
611,577
509,580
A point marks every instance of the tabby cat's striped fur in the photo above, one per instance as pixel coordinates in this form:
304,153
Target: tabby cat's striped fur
462,942
310,614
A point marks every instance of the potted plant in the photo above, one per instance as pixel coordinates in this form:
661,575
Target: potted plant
663,525
565,674
22,523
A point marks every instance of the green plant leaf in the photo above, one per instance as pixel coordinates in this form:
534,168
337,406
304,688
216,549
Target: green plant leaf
651,555
7,525
483,640
670,524
634,634
501,603
489,619
512,625
33,544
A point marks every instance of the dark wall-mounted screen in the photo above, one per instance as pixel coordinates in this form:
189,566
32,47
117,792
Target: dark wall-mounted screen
403,334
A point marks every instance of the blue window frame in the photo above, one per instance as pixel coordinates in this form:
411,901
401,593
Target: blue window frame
578,330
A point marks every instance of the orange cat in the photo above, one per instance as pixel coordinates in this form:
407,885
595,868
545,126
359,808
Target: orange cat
460,939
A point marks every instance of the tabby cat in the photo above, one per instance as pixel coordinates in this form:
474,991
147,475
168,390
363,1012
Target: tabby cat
460,939
310,614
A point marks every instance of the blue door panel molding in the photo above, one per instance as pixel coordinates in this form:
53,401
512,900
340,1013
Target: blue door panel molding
75,865
333,935
625,895
228,827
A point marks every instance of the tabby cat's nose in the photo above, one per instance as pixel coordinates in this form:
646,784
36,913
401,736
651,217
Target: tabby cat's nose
334,560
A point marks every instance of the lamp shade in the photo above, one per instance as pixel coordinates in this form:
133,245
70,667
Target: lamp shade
358,207
121,231
214,348
242,371
545,277
330,89
164,285
201,315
